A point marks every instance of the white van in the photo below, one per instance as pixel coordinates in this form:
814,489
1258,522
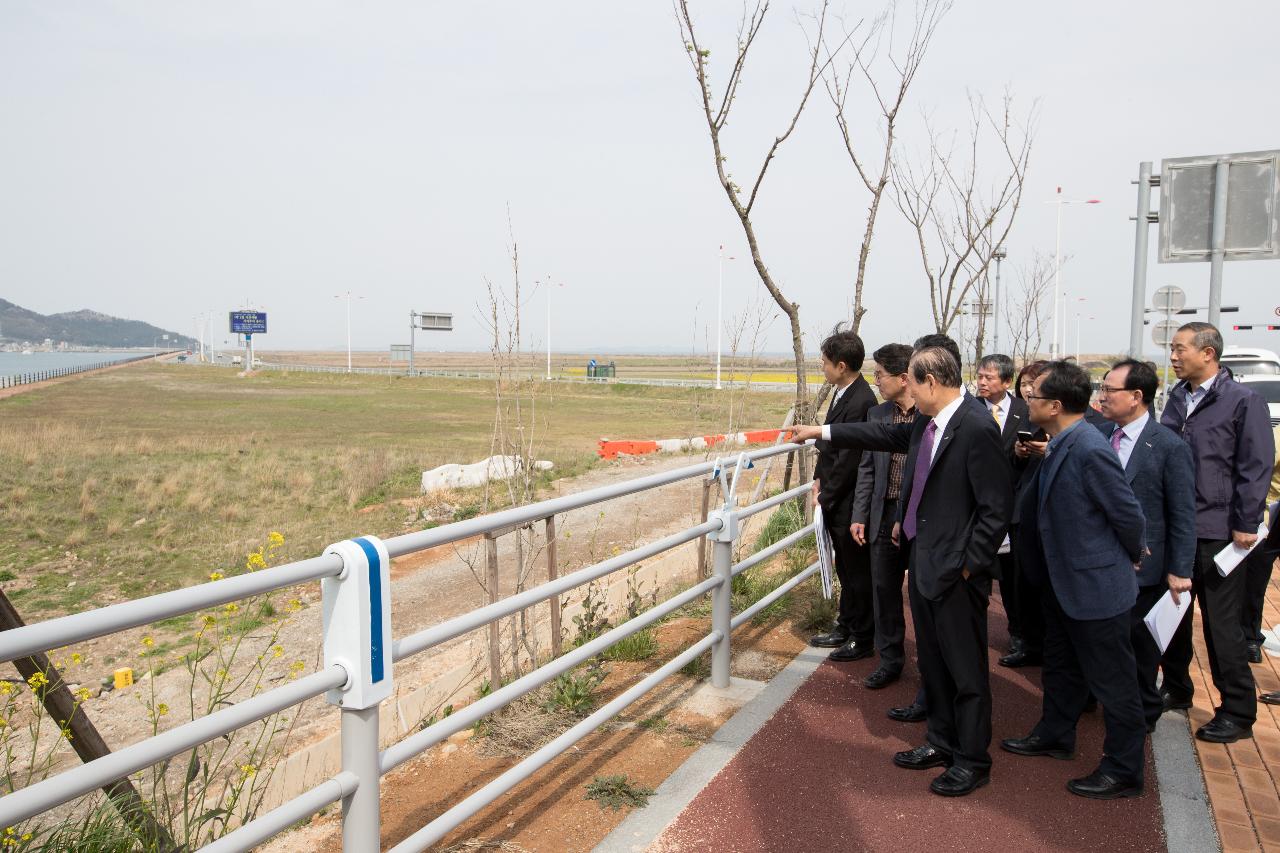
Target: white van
1246,361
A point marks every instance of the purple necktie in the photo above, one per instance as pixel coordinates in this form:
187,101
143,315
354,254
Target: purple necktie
1115,439
924,457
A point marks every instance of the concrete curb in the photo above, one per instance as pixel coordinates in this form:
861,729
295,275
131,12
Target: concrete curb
1184,804
643,826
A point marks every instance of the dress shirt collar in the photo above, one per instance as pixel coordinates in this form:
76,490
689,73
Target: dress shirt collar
1134,428
944,417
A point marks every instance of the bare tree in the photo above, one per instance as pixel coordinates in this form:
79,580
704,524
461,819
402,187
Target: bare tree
1025,310
716,109
889,66
960,216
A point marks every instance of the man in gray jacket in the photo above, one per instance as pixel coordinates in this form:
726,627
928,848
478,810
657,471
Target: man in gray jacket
1160,470
1229,432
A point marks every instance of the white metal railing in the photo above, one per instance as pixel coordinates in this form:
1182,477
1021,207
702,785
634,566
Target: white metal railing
360,654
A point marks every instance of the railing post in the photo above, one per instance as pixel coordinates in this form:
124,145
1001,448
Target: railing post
357,637
553,572
495,629
722,595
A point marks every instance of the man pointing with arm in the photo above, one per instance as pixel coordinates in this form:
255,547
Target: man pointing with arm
954,514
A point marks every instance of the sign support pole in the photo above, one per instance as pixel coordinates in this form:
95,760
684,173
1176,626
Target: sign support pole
1219,245
1141,233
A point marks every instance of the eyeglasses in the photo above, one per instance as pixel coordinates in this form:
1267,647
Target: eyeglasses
1109,390
1037,397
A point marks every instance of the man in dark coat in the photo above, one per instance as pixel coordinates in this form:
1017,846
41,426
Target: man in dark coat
834,479
1081,540
1160,470
1229,432
954,515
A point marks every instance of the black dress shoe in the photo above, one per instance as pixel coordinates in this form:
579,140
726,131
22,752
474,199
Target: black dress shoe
1174,702
913,713
852,650
1255,653
1021,658
1016,644
880,678
1222,730
1099,786
832,640
1272,698
922,758
1033,745
958,781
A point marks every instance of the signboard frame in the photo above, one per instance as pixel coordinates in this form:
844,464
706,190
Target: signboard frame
1187,190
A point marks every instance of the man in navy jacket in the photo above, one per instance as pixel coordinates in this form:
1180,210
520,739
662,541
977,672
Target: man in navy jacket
1229,432
1160,470
1082,539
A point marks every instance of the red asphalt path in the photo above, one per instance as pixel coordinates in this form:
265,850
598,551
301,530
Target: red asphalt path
819,776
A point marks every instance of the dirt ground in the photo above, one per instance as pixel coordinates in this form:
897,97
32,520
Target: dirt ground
430,587
549,811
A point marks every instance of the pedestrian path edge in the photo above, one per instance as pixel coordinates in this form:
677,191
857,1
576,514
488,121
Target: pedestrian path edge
642,827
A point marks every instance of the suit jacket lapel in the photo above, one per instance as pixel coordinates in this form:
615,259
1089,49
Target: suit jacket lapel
1141,448
945,440
1049,469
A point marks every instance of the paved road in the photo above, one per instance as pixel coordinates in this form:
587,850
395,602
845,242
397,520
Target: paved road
818,776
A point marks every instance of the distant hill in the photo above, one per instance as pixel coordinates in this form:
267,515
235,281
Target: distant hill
81,328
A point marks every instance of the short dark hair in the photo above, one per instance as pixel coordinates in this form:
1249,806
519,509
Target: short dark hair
1206,335
939,340
1028,373
846,347
894,358
1141,377
939,362
1069,384
1002,363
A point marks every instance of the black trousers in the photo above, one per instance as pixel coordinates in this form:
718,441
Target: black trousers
951,643
855,616
1257,578
1009,593
1146,654
1030,620
1092,655
888,567
1221,603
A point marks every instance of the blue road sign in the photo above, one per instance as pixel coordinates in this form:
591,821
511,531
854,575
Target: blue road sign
248,322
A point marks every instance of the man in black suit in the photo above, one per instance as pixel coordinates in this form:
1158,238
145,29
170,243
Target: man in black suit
1082,540
875,511
954,514
834,478
1162,473
994,379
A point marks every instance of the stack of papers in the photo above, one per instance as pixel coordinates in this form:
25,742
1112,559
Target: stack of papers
826,551
1163,619
1231,556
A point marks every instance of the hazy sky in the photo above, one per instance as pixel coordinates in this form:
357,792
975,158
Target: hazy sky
163,159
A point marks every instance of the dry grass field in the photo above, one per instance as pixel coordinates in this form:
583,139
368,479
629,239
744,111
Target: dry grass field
140,480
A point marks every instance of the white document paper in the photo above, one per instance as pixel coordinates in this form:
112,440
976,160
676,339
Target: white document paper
1163,619
826,551
1231,556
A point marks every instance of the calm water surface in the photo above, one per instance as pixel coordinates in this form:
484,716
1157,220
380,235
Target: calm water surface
15,364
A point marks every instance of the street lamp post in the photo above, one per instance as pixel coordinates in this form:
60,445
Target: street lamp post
720,313
1057,348
549,286
998,255
347,296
